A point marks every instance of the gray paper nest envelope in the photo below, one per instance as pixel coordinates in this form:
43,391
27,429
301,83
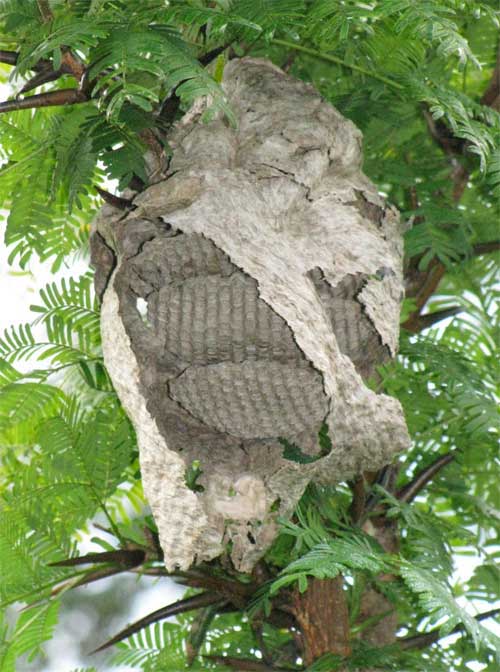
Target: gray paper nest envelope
253,290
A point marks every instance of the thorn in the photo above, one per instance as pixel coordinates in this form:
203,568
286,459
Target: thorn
42,77
425,321
115,201
408,492
235,591
125,557
207,58
97,575
179,607
484,248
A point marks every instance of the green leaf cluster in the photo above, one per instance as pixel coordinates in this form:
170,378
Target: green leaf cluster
413,77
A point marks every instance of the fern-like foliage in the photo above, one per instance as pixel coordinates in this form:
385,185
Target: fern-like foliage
136,54
418,79
63,460
33,627
139,62
439,603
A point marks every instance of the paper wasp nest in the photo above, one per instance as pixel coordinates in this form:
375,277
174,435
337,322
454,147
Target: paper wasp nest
253,290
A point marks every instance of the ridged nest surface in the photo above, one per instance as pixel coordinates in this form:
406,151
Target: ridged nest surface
247,297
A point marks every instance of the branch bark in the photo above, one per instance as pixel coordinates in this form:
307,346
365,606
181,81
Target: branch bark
491,97
323,618
486,248
45,11
50,99
11,58
8,57
244,665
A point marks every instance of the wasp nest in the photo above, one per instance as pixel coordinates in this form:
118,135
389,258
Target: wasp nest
255,287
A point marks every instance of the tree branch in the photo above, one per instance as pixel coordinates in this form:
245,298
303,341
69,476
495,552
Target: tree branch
484,248
45,11
50,99
428,638
338,61
11,58
357,506
428,281
246,665
8,57
491,97
408,492
323,618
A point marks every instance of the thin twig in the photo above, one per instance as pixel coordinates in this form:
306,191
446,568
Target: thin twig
42,77
198,630
258,632
492,93
338,61
428,281
485,248
408,492
386,478
428,638
8,57
427,320
246,665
